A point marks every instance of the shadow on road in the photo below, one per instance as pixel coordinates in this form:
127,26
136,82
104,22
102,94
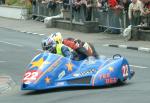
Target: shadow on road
37,92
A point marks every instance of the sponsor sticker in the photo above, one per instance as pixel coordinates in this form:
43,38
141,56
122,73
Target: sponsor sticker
111,80
76,75
62,74
90,71
104,76
108,79
60,84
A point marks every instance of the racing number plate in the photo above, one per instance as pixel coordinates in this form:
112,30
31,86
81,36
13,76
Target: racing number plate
31,76
125,70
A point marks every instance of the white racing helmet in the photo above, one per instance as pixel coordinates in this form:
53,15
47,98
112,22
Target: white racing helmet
48,44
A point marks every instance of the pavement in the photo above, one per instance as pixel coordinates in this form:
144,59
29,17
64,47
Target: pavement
38,28
6,84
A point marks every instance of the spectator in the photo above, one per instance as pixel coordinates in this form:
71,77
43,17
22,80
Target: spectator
66,4
100,12
89,10
52,7
147,7
101,4
145,20
134,12
147,11
79,10
59,5
51,4
45,1
43,8
97,10
83,10
115,17
126,4
34,8
76,4
76,9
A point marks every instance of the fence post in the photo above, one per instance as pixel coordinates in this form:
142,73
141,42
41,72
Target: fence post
38,8
107,21
93,3
124,19
71,13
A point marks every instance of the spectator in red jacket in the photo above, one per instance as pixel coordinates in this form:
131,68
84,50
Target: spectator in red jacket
114,5
115,17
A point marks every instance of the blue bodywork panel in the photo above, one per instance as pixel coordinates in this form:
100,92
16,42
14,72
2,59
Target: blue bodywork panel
48,70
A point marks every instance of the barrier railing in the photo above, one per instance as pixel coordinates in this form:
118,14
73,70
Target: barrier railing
147,20
108,19
42,10
112,21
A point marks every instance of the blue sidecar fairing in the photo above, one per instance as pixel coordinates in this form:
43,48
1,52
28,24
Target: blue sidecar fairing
48,70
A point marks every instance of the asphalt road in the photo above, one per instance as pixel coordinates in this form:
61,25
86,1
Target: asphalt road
17,49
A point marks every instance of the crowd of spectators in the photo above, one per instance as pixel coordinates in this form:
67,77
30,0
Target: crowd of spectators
138,10
123,12
135,12
129,12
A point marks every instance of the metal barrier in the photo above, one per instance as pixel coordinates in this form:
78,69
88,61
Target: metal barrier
107,19
146,20
114,23
41,10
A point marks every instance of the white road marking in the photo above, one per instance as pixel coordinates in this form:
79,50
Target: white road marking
29,32
23,31
144,49
2,61
41,34
105,44
136,66
123,46
11,43
35,33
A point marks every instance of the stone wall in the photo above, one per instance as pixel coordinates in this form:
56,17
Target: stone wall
13,12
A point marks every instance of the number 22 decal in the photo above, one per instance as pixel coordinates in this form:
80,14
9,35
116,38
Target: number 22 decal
31,76
125,70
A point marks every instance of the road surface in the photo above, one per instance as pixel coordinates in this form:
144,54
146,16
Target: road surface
17,49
